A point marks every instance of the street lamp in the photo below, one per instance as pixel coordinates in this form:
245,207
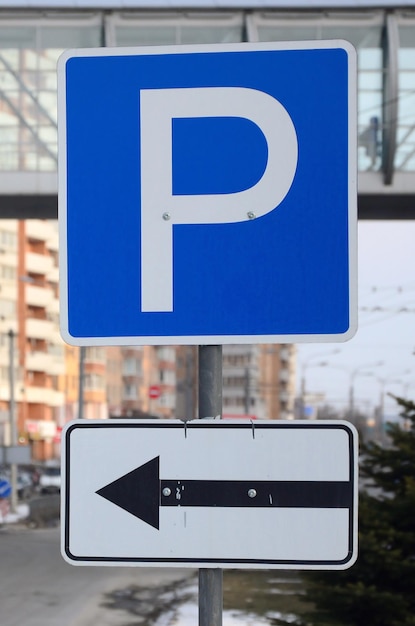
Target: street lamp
12,417
306,364
354,373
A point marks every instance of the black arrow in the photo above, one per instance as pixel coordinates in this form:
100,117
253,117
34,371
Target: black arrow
141,493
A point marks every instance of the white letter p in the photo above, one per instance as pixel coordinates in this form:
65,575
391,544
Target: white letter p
161,210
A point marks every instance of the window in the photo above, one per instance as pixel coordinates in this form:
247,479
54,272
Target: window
94,382
95,354
29,50
166,353
405,150
365,32
7,308
131,366
130,392
131,29
167,377
8,272
8,239
167,400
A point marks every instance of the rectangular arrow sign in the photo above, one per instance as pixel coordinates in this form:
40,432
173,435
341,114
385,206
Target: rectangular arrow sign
210,493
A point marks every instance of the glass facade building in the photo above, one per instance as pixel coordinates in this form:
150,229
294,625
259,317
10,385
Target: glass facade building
32,40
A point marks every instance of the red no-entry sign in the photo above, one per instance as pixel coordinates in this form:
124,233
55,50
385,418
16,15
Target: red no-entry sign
154,391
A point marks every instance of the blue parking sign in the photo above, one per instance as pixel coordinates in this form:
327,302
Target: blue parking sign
207,194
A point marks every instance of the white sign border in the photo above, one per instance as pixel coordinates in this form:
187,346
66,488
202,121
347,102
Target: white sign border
352,194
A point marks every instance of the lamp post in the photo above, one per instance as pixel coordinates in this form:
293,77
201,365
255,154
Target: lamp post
12,417
306,364
358,370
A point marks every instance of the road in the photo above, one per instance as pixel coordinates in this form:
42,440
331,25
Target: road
38,588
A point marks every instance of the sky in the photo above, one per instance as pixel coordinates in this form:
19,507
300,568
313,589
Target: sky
386,328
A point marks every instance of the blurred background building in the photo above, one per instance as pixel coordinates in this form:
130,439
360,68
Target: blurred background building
161,381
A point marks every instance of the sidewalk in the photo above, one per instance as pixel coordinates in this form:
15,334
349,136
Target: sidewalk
21,513
140,596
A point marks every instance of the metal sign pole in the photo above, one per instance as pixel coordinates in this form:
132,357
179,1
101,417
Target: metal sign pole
210,405
13,426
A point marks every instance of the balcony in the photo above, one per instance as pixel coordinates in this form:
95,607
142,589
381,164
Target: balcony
42,395
38,296
8,290
53,241
39,263
44,362
40,329
39,230
53,306
53,275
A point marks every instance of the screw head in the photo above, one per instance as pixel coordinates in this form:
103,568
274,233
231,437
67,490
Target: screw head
166,216
166,491
251,215
252,493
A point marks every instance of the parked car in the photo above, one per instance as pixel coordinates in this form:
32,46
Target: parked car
50,480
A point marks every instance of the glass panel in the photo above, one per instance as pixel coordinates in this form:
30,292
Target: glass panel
405,153
210,34
28,107
286,33
367,41
369,81
145,36
176,33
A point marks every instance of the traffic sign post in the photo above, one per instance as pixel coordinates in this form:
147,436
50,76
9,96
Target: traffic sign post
153,489
210,405
233,172
207,194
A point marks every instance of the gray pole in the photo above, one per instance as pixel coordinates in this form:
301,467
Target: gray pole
82,351
13,429
210,405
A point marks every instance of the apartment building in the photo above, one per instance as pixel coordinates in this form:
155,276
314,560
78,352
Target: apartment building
114,380
140,381
259,381
8,318
29,310
241,382
41,349
278,367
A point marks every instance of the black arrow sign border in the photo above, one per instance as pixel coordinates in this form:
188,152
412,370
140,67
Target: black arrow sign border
300,564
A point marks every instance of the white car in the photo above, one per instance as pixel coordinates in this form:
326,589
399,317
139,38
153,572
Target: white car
50,480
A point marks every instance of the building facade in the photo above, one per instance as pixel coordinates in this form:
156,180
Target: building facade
30,312
161,381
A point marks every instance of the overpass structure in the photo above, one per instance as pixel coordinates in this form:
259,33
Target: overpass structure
33,35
